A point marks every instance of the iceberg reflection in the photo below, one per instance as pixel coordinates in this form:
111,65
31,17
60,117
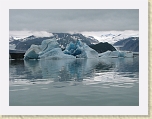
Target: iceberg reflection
67,70
89,71
77,69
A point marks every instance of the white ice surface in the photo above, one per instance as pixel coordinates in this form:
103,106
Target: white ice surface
115,54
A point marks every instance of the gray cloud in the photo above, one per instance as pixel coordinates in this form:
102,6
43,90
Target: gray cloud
64,20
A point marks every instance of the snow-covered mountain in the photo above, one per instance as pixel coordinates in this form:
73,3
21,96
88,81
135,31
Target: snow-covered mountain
11,38
112,36
22,40
62,38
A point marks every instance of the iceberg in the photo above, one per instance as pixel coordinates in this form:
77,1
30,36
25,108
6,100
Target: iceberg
32,52
80,50
126,54
115,54
49,49
109,54
55,53
48,45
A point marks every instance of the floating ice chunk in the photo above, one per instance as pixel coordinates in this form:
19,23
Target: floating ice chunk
70,49
49,49
104,54
80,50
114,54
127,53
48,45
32,52
109,54
55,53
87,52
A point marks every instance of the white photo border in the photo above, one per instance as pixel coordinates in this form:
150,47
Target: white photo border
142,109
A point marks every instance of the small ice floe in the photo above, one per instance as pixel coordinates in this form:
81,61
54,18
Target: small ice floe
116,54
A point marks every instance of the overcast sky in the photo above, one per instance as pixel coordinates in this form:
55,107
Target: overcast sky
65,20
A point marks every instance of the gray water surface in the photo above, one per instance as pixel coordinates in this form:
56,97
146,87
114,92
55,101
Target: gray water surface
74,82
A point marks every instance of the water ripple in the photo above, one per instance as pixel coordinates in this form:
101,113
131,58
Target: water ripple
105,72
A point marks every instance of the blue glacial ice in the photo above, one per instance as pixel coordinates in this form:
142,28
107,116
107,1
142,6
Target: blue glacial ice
55,53
80,50
49,49
32,52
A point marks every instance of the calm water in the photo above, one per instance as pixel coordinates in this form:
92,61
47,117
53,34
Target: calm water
78,82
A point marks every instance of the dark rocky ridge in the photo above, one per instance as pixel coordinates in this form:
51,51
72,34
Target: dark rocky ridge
102,47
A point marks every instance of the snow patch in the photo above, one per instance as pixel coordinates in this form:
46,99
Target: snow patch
111,36
23,34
